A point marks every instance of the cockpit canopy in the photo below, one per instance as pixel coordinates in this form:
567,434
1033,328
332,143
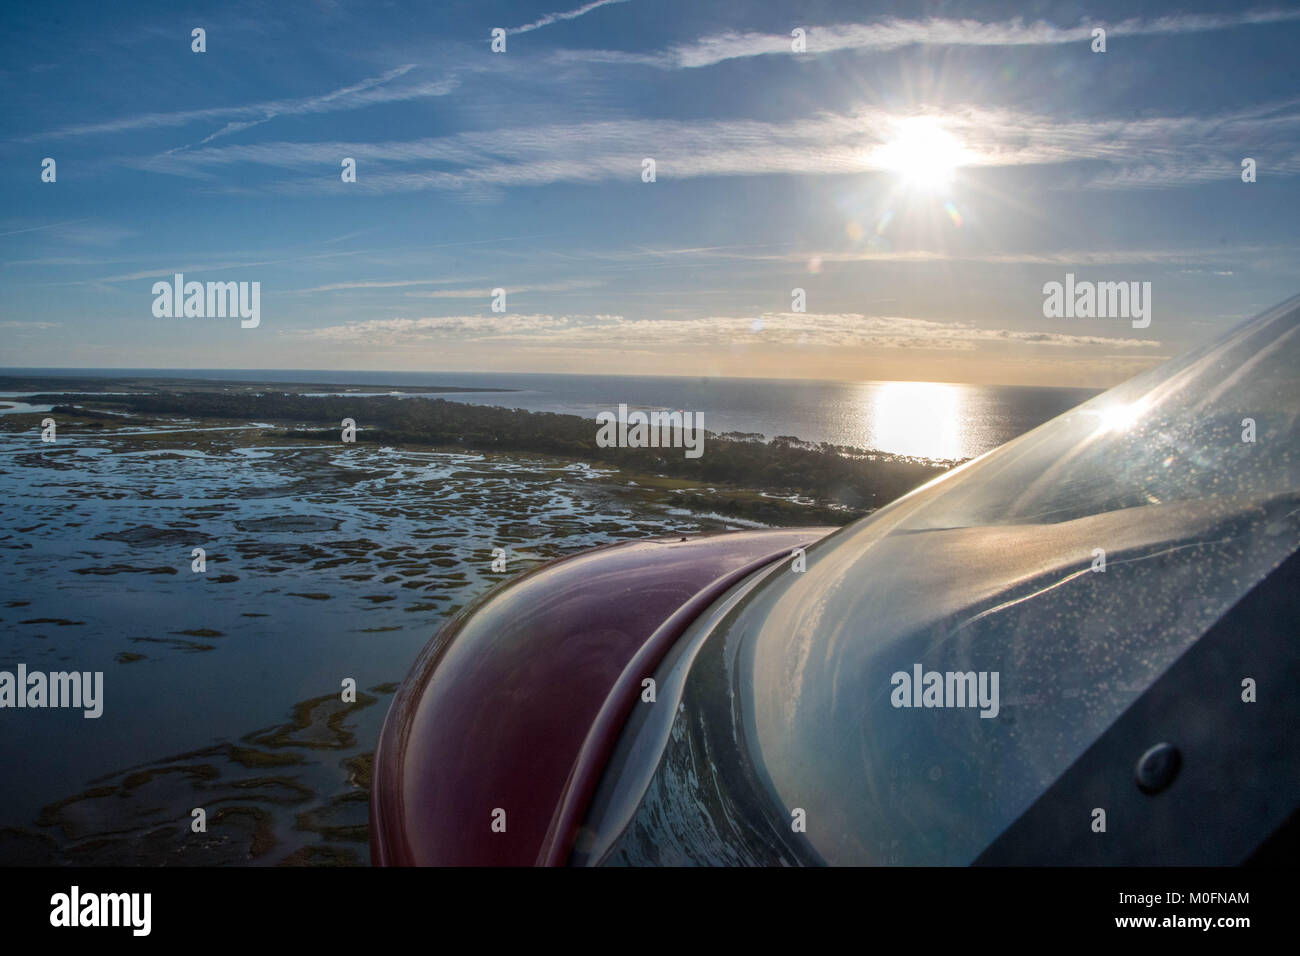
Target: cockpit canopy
1061,573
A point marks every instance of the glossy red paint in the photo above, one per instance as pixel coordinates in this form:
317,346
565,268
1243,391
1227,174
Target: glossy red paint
516,704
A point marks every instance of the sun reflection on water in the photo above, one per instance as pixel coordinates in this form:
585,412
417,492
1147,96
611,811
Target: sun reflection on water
916,418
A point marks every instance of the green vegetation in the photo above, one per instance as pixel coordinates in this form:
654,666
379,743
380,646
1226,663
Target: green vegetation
855,480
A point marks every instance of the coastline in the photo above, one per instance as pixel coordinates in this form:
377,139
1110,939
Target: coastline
324,560
782,481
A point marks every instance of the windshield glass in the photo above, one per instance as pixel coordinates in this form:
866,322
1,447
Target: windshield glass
1044,586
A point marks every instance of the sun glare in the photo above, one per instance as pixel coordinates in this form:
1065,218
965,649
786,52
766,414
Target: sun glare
1119,417
916,418
923,154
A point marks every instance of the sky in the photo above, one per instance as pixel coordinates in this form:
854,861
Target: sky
919,171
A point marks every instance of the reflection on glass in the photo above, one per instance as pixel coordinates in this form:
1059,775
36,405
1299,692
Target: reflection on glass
1119,416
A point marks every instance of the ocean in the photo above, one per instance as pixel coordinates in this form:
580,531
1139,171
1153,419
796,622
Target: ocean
932,420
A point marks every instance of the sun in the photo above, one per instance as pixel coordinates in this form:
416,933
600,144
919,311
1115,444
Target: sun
923,154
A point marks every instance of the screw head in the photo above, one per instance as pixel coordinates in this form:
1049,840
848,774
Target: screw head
1157,768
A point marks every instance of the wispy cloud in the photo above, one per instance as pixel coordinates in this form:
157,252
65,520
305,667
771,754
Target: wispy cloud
71,261
87,233
833,330
401,331
1167,150
51,225
894,33
550,18
165,271
345,286
568,286
366,92
1057,257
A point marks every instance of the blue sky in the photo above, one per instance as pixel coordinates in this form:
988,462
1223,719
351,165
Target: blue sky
922,255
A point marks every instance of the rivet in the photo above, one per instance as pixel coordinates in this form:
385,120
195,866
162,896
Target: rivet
1157,768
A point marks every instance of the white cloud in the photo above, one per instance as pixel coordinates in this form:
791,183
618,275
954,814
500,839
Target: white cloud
836,330
168,271
1110,153
398,332
550,18
1060,257
342,286
893,33
366,92
568,286
50,225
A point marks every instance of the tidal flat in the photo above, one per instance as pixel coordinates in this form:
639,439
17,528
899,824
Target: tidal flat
324,561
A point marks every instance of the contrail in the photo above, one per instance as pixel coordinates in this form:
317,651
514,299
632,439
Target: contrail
550,18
